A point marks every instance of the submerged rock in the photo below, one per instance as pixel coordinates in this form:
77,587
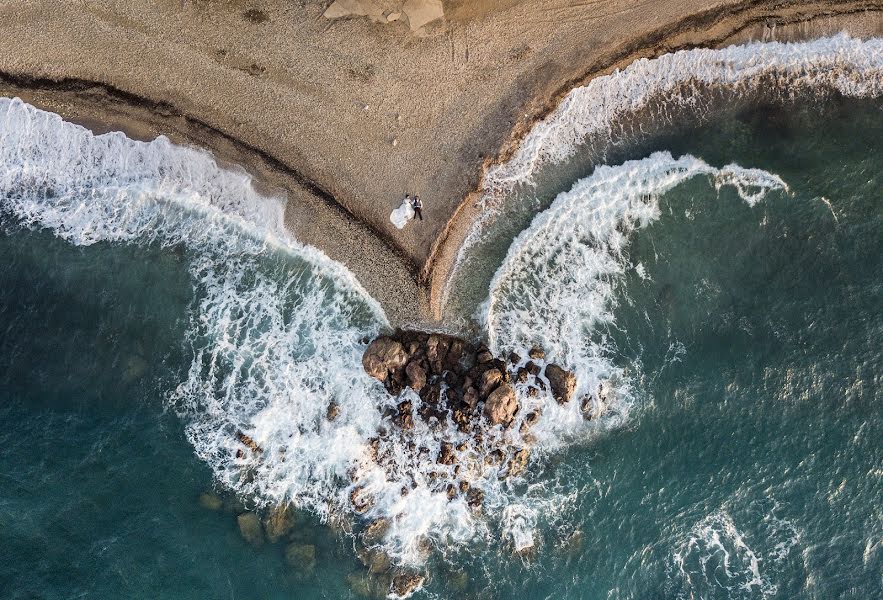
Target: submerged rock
377,561
279,522
361,585
457,580
250,528
301,557
572,545
210,501
375,532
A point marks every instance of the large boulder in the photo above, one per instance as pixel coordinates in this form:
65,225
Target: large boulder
455,354
437,351
501,406
563,383
382,356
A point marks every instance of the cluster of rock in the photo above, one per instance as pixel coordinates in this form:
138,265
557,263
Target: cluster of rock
461,384
456,418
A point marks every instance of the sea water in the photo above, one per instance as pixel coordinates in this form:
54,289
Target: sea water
721,277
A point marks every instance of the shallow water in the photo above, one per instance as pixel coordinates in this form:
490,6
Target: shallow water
744,461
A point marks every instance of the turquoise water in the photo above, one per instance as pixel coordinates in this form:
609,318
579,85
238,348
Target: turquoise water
750,465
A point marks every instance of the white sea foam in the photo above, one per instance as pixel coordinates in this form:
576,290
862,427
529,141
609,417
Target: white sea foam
715,557
853,67
850,66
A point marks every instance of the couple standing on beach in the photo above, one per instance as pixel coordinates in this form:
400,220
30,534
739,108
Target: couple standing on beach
410,208
416,204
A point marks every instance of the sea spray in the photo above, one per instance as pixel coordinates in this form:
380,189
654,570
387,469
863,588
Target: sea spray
681,80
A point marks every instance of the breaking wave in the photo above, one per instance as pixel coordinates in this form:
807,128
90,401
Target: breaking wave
557,287
681,80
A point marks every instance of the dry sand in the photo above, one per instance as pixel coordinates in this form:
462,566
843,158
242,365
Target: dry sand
346,115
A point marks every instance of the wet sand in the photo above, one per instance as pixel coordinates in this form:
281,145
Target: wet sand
347,115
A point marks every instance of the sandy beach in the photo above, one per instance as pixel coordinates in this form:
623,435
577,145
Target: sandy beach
345,115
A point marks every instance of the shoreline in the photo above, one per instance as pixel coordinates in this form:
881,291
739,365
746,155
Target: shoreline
328,211
439,267
100,111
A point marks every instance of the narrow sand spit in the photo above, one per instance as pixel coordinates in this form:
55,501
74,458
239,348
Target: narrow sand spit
346,114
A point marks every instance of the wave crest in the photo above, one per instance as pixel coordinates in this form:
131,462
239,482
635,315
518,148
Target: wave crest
557,285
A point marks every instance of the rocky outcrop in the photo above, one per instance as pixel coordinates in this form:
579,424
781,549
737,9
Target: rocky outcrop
458,417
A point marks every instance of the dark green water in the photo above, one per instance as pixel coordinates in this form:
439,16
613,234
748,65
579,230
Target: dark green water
751,467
